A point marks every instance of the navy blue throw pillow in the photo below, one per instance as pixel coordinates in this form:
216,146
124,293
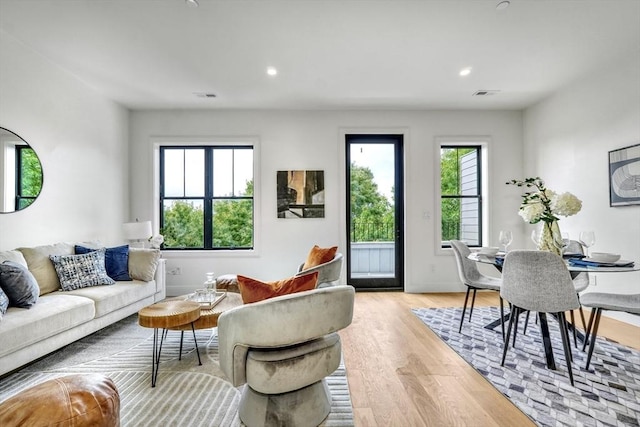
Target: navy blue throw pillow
116,261
19,284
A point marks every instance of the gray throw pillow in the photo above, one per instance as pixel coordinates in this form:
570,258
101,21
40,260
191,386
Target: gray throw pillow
4,303
81,271
18,284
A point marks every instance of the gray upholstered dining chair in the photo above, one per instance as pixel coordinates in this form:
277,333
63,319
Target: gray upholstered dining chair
473,279
599,301
538,281
580,282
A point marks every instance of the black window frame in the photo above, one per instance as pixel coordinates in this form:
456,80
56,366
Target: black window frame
22,201
478,196
208,198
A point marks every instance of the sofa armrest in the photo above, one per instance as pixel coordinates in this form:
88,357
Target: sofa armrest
160,279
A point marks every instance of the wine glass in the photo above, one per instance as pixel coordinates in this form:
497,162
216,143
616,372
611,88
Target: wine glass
505,239
535,236
587,239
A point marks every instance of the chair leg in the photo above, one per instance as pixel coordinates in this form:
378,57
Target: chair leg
588,330
526,323
515,331
594,334
502,317
584,324
464,308
575,333
566,343
473,301
506,341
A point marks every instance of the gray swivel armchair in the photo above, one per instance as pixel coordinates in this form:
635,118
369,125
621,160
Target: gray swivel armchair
599,301
282,349
328,273
473,279
539,281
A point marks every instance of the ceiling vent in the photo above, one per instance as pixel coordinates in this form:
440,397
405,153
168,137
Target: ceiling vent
486,92
205,95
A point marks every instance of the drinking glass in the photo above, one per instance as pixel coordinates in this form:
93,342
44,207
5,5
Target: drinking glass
505,239
587,239
535,236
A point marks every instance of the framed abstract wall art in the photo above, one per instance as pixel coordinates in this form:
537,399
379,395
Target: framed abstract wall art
624,176
300,194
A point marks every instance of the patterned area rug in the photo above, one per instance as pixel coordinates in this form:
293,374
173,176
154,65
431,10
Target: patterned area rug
608,394
186,394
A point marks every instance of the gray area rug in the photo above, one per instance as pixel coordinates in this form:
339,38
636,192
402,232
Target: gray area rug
186,394
608,394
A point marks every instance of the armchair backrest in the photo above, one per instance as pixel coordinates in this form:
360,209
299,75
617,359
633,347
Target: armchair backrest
281,322
328,272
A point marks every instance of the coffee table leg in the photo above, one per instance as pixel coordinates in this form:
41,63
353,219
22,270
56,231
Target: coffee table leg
155,358
195,341
181,338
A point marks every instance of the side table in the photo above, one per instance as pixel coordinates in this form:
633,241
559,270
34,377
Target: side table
165,315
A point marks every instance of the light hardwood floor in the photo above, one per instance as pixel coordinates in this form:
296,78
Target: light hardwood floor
401,374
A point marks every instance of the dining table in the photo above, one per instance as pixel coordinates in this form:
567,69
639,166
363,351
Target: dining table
497,261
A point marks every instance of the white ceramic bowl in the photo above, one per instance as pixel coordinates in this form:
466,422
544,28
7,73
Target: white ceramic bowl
604,257
488,251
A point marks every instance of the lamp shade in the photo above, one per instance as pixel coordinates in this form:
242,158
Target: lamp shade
137,230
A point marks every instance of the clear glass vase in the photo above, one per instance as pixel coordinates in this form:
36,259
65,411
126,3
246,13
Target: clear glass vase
551,238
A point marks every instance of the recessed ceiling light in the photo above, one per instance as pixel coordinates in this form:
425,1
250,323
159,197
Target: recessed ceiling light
465,71
192,3
272,71
503,5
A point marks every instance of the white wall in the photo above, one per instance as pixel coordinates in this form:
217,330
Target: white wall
567,138
312,140
81,140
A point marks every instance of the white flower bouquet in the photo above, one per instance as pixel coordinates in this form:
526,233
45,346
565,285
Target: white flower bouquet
543,204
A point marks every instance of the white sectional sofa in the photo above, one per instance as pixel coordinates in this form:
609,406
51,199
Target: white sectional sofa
60,317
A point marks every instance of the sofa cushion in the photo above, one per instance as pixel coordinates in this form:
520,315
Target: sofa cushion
116,260
4,303
81,271
253,290
143,263
19,284
111,298
54,313
15,256
41,266
318,255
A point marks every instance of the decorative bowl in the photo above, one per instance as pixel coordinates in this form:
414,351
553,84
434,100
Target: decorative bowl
604,257
488,251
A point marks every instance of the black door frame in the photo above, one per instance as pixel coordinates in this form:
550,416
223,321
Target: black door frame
379,283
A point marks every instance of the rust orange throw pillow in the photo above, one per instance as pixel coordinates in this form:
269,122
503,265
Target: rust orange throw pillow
319,255
253,290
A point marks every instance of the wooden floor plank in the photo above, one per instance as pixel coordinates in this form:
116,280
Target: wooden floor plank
402,374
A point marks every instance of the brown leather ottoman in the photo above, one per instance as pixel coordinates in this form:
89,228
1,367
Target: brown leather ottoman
73,400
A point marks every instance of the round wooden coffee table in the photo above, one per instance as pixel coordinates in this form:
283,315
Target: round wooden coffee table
166,315
209,317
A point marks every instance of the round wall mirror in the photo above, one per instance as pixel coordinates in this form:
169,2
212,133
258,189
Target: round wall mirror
20,173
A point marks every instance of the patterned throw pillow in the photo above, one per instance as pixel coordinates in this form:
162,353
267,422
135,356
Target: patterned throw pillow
253,290
4,303
116,260
18,284
81,271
